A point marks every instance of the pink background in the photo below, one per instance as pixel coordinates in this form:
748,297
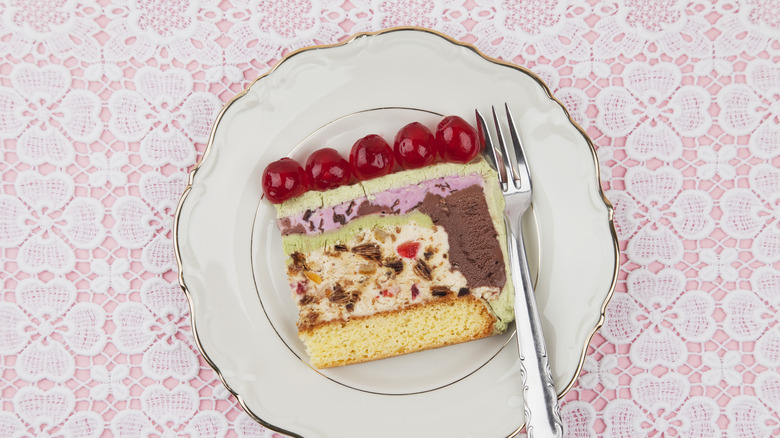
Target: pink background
104,107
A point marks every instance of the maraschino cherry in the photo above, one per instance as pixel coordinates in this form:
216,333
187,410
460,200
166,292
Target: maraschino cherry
371,157
284,179
457,140
415,146
326,169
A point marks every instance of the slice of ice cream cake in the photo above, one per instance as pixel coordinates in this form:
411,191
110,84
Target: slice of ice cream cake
401,263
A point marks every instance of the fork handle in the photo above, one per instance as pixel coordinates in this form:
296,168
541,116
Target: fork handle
542,413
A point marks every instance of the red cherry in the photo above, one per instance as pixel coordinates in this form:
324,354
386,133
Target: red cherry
284,179
457,140
408,249
371,157
414,146
327,169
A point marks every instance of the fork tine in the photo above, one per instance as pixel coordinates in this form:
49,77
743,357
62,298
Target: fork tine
524,174
508,158
493,155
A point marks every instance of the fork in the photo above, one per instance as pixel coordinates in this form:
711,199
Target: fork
540,400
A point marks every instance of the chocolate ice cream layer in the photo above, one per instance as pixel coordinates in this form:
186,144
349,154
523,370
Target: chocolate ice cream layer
474,247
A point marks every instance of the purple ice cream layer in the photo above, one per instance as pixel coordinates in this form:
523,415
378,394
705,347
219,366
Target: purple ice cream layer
394,201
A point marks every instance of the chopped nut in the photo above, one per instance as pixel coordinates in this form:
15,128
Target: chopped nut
311,318
394,263
423,270
366,268
334,290
340,247
334,254
369,251
380,235
429,252
439,291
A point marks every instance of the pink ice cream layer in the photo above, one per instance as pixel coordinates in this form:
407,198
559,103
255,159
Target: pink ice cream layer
395,201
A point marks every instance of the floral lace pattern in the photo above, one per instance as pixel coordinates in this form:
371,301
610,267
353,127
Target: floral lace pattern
105,106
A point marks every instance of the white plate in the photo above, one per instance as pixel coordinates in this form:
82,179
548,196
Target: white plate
231,267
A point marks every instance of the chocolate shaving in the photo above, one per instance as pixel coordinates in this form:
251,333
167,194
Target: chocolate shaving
349,208
439,291
422,269
339,218
322,223
307,215
297,229
346,299
394,263
415,206
339,297
298,262
307,299
462,292
369,251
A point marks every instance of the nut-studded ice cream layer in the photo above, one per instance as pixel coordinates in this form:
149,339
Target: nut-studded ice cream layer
379,269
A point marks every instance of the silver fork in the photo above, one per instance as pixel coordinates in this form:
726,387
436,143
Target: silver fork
542,413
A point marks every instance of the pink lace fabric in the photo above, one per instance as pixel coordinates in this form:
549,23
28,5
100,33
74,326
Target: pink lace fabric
104,107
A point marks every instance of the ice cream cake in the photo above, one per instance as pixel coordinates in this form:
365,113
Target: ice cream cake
398,263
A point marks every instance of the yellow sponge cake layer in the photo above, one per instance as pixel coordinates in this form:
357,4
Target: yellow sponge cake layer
438,323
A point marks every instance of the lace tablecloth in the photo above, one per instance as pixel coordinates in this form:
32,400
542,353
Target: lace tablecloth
105,106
